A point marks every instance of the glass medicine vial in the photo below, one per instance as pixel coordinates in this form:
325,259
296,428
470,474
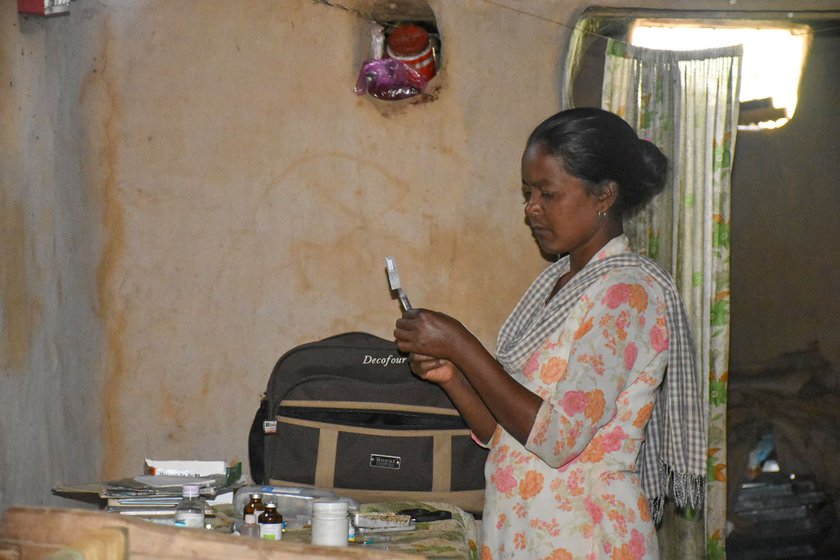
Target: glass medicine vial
271,523
190,510
253,509
251,512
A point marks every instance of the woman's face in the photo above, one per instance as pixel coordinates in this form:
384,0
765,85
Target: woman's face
563,215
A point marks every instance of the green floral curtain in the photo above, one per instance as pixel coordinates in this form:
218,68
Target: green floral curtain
686,102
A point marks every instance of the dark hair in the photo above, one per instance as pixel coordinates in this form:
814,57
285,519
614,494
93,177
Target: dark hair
596,145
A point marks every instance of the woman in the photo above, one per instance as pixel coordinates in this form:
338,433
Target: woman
566,404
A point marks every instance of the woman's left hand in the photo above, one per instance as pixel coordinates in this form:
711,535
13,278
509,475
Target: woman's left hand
430,333
434,370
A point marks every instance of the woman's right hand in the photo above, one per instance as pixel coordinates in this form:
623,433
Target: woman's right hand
422,331
435,370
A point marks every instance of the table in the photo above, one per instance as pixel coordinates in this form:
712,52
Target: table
450,539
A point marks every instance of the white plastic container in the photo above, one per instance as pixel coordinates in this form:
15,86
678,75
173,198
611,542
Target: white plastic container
329,522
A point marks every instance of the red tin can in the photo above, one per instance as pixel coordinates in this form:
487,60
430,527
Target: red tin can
411,44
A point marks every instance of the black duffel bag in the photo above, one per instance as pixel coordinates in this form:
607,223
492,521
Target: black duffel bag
345,413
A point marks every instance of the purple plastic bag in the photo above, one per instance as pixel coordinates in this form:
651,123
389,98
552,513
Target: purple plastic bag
389,79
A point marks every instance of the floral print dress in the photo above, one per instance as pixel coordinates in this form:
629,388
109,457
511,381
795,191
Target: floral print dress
573,490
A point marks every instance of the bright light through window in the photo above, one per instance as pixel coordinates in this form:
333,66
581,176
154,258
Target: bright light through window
772,63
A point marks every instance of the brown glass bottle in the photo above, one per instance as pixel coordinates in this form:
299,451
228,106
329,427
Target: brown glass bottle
253,509
271,523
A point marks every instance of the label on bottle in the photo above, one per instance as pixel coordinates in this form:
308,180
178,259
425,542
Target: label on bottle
189,519
250,518
271,532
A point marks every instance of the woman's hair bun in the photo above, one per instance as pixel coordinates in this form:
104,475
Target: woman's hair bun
651,176
597,146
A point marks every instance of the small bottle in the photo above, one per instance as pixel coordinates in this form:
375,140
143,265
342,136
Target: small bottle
329,523
351,529
253,509
190,510
271,523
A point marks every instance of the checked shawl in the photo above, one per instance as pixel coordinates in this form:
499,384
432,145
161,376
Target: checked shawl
674,450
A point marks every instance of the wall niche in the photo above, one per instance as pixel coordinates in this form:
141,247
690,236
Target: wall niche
391,33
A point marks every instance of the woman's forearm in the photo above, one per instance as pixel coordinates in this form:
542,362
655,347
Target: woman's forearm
506,401
473,410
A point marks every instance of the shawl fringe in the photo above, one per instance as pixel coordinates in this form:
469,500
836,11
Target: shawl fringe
689,490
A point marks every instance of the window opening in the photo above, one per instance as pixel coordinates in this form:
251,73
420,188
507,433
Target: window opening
771,69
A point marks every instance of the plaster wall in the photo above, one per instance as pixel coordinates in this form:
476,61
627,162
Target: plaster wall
52,330
188,190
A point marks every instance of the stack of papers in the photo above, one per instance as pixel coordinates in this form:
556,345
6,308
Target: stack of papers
157,493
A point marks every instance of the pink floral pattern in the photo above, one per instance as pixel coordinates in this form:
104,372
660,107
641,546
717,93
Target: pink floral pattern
573,491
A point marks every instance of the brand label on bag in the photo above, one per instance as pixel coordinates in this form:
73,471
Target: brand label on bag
269,426
385,461
383,360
